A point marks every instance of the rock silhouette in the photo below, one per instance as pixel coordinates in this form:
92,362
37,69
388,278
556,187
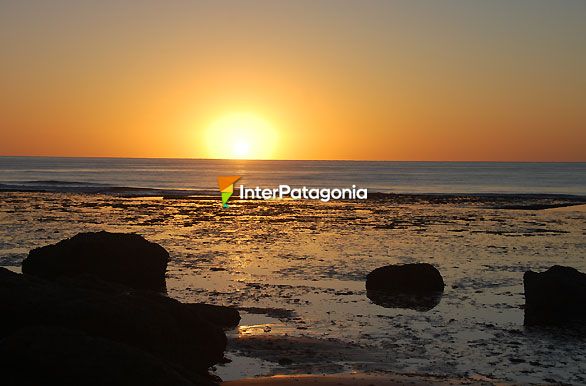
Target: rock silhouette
416,286
145,320
48,355
418,277
556,296
225,317
122,258
394,299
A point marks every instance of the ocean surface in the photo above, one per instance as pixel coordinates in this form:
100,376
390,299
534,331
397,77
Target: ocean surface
192,176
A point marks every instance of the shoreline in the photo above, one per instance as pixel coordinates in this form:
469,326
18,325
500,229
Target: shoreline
558,199
296,269
360,379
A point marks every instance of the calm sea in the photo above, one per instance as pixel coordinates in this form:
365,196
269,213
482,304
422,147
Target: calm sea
153,176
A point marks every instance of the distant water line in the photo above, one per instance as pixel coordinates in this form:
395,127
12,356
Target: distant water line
152,176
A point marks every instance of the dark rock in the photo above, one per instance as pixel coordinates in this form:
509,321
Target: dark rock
414,301
420,277
225,317
44,355
145,320
556,296
128,259
416,286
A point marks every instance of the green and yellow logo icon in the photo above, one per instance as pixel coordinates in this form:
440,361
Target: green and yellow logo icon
226,184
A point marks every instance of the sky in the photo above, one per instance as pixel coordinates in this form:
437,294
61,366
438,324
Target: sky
365,80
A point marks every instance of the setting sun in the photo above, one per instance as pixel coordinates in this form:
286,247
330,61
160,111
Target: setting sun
240,136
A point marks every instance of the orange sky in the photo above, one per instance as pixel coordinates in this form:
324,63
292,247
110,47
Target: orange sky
385,80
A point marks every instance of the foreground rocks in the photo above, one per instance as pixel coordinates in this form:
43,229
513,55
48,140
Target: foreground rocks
47,355
148,321
415,286
122,258
556,296
225,317
89,311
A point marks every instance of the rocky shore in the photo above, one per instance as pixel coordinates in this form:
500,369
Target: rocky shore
73,327
93,310
296,273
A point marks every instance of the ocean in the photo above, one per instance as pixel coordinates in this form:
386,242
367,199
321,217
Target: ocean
191,176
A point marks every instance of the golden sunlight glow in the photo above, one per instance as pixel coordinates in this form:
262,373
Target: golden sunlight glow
240,136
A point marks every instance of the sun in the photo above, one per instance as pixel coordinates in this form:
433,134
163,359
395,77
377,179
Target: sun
240,136
241,149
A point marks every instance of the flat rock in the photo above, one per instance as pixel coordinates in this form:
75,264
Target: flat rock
556,296
123,258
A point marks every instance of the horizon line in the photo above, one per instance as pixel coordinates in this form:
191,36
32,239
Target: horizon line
284,159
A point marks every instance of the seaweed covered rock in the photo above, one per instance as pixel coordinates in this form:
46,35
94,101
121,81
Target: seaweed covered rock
122,258
554,297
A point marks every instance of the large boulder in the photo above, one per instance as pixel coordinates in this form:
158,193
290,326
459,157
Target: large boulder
556,296
44,355
416,286
419,277
123,258
148,321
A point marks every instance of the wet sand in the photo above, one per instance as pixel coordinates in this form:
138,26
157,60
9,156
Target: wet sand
297,271
357,379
